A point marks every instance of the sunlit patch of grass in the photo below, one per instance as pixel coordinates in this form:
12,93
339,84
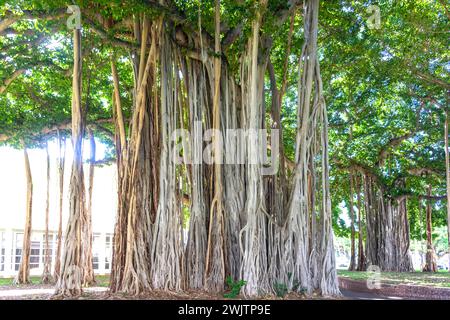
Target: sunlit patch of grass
438,279
10,281
102,280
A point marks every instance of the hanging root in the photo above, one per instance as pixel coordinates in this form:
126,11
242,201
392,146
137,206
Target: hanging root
167,254
308,262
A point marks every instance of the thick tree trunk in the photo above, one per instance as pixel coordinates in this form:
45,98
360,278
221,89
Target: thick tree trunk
47,276
60,161
120,236
88,266
70,280
234,176
447,176
197,238
277,185
254,263
23,277
310,265
387,244
167,246
215,259
361,255
430,258
230,202
403,237
137,172
352,266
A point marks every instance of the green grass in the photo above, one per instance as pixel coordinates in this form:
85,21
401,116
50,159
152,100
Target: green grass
102,281
438,279
9,281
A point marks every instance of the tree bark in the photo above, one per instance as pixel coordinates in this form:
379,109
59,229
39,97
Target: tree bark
196,248
387,243
361,255
352,214
215,259
88,275
352,227
120,142
60,161
167,248
234,176
70,280
254,263
23,277
447,176
430,260
47,276
309,215
137,173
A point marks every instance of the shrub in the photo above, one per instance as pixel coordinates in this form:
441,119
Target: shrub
281,289
235,287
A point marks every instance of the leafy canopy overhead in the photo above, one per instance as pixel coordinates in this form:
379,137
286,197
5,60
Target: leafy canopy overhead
386,88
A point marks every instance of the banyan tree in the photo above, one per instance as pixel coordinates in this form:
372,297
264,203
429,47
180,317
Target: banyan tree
183,82
216,114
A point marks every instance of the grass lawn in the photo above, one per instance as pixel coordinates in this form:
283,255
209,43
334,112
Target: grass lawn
9,281
102,281
438,279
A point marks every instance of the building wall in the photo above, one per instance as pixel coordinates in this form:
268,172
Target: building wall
13,211
11,252
13,190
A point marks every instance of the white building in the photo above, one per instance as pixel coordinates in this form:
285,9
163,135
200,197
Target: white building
12,210
11,241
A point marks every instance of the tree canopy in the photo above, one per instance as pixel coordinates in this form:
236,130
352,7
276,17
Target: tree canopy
386,89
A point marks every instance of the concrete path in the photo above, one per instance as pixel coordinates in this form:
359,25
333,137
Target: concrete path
354,295
10,293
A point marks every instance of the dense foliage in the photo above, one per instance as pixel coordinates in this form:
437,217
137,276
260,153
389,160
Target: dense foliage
386,89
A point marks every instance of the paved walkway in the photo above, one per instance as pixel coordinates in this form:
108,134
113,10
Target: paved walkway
9,293
366,296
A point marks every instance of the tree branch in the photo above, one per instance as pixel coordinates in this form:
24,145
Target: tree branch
64,125
13,77
106,36
392,143
11,18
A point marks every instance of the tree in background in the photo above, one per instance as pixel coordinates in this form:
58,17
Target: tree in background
23,277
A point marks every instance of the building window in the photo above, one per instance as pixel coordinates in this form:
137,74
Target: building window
35,253
2,259
108,252
102,246
95,250
45,249
18,251
2,250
